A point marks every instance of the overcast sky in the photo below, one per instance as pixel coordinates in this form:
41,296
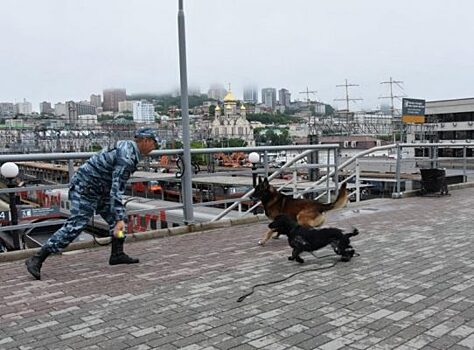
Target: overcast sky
57,50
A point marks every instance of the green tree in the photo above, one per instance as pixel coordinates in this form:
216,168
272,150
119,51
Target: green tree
163,102
237,143
212,110
96,147
271,137
104,117
268,118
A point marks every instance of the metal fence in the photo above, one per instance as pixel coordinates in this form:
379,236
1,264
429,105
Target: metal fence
332,167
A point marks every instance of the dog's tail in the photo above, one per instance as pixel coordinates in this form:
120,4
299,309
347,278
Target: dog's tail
354,232
340,201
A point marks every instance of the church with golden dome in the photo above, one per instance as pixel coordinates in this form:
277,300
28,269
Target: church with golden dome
230,122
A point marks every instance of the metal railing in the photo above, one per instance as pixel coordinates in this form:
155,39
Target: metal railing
264,151
351,169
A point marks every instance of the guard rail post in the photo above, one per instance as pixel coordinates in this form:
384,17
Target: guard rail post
464,166
397,193
357,173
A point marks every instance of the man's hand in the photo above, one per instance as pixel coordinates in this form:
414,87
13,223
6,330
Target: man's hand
119,227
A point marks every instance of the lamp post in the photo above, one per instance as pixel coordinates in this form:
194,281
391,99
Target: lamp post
254,158
187,178
10,171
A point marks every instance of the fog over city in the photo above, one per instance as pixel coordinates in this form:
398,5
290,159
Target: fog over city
57,50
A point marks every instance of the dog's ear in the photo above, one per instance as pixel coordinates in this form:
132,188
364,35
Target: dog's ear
265,181
259,180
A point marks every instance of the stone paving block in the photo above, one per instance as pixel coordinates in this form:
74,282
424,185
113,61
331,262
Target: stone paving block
314,342
459,347
265,341
335,344
462,331
231,343
444,342
184,292
467,342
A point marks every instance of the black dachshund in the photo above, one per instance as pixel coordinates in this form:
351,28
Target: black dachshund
304,239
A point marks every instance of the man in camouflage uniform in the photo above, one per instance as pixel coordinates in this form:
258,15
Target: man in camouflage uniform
97,187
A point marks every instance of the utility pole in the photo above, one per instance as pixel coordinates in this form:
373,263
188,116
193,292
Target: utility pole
307,92
392,105
346,85
313,139
308,103
347,99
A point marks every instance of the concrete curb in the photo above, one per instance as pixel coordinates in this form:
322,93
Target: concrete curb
141,236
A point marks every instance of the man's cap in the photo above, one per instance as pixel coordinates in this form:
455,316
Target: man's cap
147,133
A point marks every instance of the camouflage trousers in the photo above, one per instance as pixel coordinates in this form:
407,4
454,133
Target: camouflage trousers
86,200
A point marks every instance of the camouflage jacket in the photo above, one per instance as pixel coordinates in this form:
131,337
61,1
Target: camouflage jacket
107,172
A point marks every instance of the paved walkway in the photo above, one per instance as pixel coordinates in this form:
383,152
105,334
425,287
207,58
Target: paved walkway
411,288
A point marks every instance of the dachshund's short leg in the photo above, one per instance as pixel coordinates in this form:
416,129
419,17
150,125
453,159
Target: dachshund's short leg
299,259
348,253
295,255
335,247
266,237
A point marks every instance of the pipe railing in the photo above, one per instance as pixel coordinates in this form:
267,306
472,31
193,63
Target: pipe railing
332,169
69,157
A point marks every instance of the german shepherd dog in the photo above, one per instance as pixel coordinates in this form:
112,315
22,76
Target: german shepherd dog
306,212
304,239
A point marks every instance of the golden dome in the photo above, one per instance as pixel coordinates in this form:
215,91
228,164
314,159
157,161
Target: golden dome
242,108
218,108
229,97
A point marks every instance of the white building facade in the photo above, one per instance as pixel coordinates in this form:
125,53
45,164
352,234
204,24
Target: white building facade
24,107
143,112
125,106
60,109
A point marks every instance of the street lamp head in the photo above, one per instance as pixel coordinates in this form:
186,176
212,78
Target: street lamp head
9,170
254,158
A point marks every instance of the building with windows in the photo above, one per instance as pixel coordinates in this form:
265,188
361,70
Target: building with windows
448,121
230,122
96,100
251,95
7,109
60,109
24,107
269,97
284,97
45,108
112,97
87,120
76,109
125,106
143,112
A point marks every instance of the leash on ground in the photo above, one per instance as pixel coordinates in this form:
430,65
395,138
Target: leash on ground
242,298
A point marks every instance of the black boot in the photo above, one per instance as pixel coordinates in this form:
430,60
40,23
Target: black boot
117,255
34,263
